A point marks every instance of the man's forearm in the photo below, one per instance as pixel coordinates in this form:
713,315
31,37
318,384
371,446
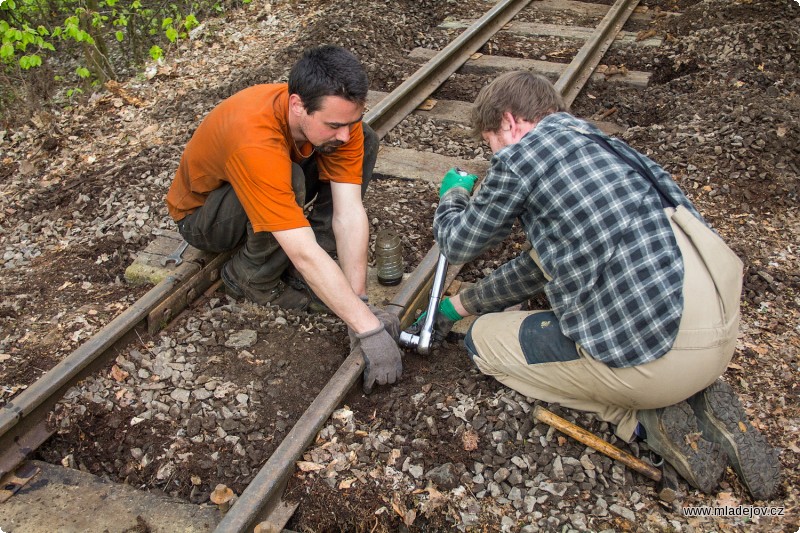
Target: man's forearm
326,279
351,230
352,240
512,283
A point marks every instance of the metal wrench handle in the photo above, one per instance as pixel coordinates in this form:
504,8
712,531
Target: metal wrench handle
422,342
176,256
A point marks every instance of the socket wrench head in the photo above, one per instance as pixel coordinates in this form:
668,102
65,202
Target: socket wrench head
408,340
421,343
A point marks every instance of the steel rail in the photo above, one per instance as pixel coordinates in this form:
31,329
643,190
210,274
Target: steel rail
22,419
263,492
420,85
264,488
584,63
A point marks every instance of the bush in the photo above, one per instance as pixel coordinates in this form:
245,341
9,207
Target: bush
91,40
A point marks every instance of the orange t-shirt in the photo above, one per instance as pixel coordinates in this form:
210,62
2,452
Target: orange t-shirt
246,142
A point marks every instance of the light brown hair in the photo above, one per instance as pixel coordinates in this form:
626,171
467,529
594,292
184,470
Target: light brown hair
527,96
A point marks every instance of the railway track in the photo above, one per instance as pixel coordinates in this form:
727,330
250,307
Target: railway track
24,420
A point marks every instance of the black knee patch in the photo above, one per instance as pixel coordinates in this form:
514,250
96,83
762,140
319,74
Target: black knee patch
472,351
542,341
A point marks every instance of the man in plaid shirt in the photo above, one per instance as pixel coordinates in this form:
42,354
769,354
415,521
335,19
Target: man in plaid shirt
636,332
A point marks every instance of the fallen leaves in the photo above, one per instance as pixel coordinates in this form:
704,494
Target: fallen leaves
436,499
308,466
469,440
118,90
118,375
645,34
347,483
407,515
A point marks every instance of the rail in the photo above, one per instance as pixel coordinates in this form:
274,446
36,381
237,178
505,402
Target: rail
22,420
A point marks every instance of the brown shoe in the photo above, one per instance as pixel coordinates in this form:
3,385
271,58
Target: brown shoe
280,295
293,279
722,419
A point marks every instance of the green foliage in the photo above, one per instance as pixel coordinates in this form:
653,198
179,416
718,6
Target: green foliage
15,42
102,33
156,52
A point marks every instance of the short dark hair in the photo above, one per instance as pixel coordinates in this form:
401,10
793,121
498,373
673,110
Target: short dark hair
328,71
525,95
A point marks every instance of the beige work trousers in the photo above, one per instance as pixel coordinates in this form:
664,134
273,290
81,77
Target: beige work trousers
704,345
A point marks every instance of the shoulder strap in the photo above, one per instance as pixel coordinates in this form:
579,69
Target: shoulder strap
637,165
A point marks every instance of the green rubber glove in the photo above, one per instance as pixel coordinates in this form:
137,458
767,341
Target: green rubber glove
446,318
457,178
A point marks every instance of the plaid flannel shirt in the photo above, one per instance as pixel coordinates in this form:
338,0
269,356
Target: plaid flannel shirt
598,228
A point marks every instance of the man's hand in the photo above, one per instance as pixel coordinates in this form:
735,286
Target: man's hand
390,321
446,318
383,361
457,178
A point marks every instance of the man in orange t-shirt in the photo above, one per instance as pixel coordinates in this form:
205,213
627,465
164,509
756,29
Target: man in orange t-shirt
250,168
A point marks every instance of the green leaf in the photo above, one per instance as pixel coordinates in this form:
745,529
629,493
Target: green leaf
83,72
27,62
119,35
156,52
190,22
167,21
6,51
172,34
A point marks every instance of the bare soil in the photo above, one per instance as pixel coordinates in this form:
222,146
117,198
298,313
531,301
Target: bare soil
81,193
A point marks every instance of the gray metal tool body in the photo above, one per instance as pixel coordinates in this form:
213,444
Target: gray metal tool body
422,342
176,256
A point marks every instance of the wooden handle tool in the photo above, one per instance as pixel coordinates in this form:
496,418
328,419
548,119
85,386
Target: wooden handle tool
589,439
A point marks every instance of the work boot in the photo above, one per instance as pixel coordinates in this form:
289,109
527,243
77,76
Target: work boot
280,295
292,277
674,434
723,420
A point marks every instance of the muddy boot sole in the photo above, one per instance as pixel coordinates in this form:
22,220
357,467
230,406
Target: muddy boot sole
722,420
673,433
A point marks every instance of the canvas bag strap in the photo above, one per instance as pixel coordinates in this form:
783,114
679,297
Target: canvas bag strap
637,165
724,267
